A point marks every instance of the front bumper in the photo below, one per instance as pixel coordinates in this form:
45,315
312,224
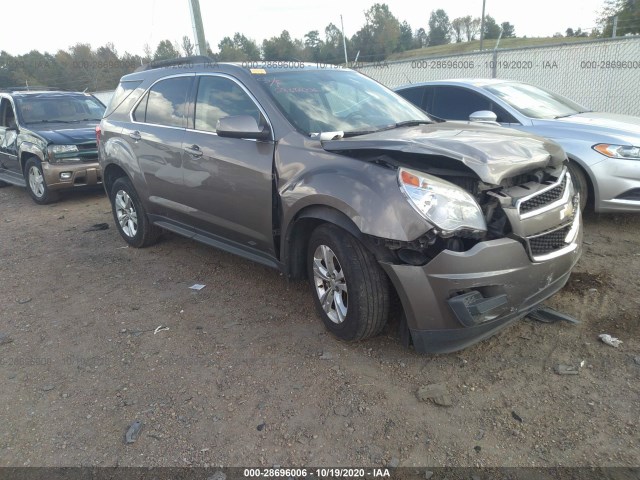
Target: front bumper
496,269
80,175
618,185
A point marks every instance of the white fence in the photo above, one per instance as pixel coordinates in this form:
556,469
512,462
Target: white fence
602,75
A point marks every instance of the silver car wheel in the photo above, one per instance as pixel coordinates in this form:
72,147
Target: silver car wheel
126,213
36,181
331,286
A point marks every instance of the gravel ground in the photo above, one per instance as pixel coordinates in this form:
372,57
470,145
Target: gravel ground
244,374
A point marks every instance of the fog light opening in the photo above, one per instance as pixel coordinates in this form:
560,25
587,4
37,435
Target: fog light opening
65,176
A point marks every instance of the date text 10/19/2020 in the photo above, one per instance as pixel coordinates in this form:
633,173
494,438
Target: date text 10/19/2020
317,472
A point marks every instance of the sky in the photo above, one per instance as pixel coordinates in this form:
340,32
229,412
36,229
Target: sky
132,24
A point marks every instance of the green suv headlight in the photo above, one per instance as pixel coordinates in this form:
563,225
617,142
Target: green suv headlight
63,153
445,205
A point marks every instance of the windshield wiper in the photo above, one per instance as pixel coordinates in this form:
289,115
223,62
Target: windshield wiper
355,133
411,123
406,123
566,115
88,120
48,121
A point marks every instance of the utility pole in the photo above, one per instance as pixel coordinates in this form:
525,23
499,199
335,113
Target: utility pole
344,43
615,26
482,24
198,29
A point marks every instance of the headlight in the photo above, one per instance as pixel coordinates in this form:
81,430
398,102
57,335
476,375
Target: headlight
62,153
618,151
445,205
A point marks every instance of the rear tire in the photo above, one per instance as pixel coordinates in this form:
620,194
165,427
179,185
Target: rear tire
350,290
130,216
580,183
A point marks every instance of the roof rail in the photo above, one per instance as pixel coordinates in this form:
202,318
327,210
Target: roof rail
172,62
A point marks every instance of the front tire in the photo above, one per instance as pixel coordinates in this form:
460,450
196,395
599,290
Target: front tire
36,184
350,290
580,183
130,216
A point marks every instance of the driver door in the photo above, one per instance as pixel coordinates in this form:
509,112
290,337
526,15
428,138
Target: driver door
8,137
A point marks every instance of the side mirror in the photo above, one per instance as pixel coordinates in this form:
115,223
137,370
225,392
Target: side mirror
485,116
242,126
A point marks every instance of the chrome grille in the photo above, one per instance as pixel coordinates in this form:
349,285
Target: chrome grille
548,242
547,197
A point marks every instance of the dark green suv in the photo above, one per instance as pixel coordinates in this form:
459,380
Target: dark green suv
48,142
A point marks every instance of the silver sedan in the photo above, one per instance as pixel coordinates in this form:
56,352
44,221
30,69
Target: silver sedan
603,148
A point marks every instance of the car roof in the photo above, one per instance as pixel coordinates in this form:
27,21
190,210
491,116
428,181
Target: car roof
474,82
249,67
43,93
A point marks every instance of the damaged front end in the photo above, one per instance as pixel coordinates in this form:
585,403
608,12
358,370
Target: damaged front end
492,256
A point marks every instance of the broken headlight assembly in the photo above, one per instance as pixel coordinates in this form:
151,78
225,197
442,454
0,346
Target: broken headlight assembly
449,208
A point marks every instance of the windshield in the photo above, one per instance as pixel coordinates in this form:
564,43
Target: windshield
535,102
65,109
338,100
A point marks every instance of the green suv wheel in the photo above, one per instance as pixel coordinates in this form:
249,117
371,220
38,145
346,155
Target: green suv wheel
36,184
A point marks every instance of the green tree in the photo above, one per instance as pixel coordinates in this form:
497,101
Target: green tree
471,27
439,28
313,45
380,36
165,51
570,32
237,49
187,46
282,47
406,37
508,30
491,28
628,13
457,28
421,38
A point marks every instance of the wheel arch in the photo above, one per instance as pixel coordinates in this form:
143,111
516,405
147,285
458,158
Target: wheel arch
110,174
298,233
593,193
27,151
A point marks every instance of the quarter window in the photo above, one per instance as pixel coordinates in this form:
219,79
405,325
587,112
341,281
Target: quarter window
219,97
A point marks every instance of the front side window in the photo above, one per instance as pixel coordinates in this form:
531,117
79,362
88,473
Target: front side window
165,103
220,97
7,115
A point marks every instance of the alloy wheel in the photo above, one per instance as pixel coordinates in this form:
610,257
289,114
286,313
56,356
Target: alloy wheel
330,283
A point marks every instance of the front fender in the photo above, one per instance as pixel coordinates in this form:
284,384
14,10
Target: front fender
366,193
31,149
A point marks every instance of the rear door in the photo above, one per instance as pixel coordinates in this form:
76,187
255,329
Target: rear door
228,183
156,135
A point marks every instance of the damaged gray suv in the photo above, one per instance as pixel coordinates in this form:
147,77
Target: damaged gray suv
327,175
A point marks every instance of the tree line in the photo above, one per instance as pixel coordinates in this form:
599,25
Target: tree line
81,67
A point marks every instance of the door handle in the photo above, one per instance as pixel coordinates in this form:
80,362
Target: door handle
135,135
194,151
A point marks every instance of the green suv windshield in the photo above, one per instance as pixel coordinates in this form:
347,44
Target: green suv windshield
59,109
337,100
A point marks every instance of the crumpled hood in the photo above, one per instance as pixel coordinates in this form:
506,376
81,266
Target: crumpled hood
492,152
67,133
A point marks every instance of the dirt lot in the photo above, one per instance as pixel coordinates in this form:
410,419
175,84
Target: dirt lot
246,374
